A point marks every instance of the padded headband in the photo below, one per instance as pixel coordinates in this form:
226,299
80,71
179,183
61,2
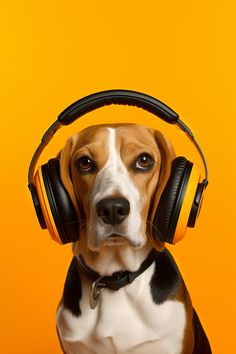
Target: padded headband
124,97
103,98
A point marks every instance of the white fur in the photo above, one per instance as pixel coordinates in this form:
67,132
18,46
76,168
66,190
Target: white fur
113,179
124,321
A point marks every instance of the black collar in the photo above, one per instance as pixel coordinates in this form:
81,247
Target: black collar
115,281
118,279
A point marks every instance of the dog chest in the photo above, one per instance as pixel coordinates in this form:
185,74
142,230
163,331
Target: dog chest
125,321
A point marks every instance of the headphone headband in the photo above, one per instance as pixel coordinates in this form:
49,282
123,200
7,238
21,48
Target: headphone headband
103,98
124,97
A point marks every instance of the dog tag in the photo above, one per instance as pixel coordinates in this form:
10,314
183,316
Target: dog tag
96,292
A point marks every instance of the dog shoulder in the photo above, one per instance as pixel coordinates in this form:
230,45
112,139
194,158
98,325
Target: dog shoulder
72,292
166,282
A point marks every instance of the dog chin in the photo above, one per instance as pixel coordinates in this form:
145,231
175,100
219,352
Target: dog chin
113,240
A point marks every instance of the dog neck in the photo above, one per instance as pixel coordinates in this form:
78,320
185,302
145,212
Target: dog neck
110,259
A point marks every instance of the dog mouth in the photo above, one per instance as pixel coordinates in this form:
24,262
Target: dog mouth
99,237
115,239
115,235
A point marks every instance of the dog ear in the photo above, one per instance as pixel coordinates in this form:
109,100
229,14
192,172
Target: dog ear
167,155
65,157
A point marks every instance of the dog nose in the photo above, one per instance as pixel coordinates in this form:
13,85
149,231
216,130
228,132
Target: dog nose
113,211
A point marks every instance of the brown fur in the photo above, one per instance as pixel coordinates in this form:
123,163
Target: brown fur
182,295
131,140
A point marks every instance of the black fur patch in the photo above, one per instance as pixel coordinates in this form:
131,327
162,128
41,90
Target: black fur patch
72,289
201,344
166,278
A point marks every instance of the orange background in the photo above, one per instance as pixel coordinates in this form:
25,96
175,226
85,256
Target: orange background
54,52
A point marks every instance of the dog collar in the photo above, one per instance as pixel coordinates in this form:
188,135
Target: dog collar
115,281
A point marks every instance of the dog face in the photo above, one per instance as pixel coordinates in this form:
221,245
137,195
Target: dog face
115,175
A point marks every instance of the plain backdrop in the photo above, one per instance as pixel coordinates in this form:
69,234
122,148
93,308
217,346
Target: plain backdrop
55,52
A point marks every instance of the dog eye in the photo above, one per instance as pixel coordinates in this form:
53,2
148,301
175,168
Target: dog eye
144,162
86,164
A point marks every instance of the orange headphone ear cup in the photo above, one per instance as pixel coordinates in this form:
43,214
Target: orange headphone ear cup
171,200
62,214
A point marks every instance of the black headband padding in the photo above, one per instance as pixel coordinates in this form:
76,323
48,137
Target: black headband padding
124,97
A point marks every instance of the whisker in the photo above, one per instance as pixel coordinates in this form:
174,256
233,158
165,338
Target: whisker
147,233
77,221
85,235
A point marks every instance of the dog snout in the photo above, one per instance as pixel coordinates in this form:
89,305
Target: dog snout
113,210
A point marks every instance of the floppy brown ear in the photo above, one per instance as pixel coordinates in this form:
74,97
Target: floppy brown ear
65,157
167,155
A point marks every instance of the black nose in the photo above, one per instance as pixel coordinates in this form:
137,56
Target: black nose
113,211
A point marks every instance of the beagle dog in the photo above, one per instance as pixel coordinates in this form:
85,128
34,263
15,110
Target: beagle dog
123,293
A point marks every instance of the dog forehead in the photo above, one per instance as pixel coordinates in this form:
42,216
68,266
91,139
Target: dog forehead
94,134
132,137
131,134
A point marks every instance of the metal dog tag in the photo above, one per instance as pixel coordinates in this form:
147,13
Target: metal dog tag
96,292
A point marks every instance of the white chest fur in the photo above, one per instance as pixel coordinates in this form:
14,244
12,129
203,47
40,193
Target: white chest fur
124,322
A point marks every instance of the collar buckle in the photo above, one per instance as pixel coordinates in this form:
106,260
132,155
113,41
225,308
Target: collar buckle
95,293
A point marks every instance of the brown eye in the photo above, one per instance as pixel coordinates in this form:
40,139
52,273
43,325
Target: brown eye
86,164
144,162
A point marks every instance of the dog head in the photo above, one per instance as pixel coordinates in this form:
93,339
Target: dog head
114,175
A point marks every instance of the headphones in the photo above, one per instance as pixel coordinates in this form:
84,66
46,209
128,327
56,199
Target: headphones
179,203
